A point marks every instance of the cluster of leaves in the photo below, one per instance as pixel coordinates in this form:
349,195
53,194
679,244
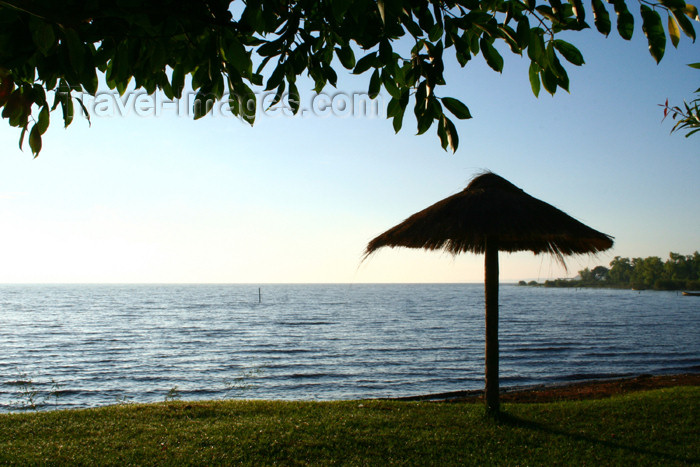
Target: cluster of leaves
50,47
688,116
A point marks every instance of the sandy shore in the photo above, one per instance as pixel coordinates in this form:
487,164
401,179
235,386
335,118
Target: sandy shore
596,389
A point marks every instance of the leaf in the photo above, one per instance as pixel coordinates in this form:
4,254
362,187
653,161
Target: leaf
339,8
330,75
673,4
390,85
276,77
6,87
278,95
535,50
201,105
549,81
234,104
534,78
425,121
177,80
674,31
380,7
411,26
510,36
393,108
84,109
493,58
425,19
456,107
263,63
397,123
557,9
578,10
399,113
523,32
685,24
437,11
38,95
346,56
473,42
249,103
76,51
654,30
625,20
365,63
547,12
385,52
694,65
560,73
293,98
42,35
691,11
164,84
452,136
89,79
35,141
67,108
252,15
442,134
270,49
569,52
256,79
236,55
122,86
375,85
43,123
435,33
21,137
13,107
601,17
421,99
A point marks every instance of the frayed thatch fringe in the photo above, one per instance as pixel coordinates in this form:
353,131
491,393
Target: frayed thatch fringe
492,207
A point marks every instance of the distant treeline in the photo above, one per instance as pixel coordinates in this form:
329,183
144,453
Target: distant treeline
678,272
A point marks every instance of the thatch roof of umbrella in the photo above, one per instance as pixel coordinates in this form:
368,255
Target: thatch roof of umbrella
489,216
492,207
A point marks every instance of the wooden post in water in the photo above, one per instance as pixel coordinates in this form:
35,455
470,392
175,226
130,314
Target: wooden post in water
259,295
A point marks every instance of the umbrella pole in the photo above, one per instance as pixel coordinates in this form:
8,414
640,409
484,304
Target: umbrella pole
491,298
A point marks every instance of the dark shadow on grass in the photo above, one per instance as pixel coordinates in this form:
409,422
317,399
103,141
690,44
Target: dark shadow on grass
513,420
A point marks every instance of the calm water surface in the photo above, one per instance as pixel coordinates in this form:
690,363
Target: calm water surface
83,346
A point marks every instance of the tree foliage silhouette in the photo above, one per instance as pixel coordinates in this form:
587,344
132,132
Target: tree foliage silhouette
52,50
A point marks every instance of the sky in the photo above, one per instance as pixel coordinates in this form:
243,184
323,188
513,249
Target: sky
140,197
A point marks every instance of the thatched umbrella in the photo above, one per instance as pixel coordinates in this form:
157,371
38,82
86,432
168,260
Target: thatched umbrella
489,216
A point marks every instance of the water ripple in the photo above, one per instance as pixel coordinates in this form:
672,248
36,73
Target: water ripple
83,346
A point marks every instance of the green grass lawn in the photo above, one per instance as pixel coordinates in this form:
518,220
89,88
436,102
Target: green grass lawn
660,427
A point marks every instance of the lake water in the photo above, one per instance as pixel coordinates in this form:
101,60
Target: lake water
70,346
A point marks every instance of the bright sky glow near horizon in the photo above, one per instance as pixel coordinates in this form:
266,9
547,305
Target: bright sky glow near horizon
165,199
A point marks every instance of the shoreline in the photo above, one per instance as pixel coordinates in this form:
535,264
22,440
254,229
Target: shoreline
576,390
590,389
